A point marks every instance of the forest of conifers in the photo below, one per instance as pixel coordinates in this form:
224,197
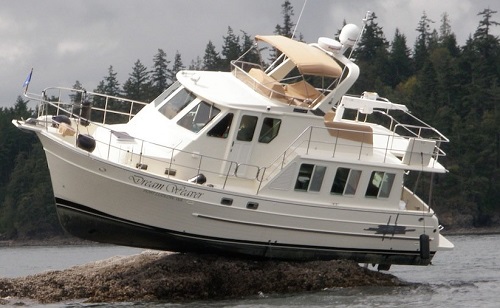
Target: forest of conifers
454,88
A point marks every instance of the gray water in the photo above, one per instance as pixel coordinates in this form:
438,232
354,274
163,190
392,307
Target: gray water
468,276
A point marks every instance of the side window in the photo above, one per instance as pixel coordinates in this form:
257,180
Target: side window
221,129
176,103
380,184
310,177
198,117
269,130
247,128
346,181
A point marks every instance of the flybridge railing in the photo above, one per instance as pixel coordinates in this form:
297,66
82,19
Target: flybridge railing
86,105
330,142
301,94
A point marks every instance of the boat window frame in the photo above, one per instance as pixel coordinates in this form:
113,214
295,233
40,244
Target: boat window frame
166,94
198,117
175,104
310,177
380,184
221,129
247,127
269,131
347,179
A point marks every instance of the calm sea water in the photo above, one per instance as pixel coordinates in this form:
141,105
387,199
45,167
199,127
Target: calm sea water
469,276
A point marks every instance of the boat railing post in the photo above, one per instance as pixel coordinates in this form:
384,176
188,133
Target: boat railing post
387,148
336,143
109,143
170,163
59,101
261,178
199,164
140,154
227,174
105,110
309,141
131,110
360,150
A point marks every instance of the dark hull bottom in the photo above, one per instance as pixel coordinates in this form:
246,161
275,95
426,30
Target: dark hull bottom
96,226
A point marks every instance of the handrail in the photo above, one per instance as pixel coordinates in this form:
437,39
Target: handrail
85,96
240,70
305,140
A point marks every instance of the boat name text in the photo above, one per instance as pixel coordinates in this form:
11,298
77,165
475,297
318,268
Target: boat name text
179,190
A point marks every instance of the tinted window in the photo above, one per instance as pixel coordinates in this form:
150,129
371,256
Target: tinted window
380,184
304,177
166,93
317,179
247,128
310,177
176,103
198,117
346,181
221,129
269,130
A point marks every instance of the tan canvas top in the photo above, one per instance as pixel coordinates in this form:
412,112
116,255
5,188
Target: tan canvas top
308,59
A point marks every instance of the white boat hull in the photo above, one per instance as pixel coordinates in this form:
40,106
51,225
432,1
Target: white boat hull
107,202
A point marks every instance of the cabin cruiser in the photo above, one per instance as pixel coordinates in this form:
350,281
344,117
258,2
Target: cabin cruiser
264,162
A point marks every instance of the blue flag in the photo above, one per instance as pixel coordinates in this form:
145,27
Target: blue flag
27,81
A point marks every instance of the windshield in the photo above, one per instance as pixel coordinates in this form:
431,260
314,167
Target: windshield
198,117
176,103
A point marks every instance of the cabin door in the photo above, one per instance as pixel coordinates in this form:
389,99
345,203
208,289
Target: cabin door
242,146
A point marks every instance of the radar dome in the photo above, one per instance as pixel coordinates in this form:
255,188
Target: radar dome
349,35
329,44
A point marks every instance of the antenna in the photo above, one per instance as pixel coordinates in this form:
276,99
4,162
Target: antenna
300,16
368,16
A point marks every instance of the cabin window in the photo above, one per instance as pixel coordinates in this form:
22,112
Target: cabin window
247,128
221,129
198,117
310,177
346,181
160,99
380,184
269,130
176,103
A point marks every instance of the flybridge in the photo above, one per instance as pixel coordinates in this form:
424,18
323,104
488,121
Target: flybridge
286,80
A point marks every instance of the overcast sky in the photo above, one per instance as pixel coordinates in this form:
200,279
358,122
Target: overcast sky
69,40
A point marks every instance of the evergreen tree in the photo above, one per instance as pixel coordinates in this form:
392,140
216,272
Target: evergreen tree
211,59
196,65
286,29
421,49
178,66
399,60
138,85
160,74
447,38
231,50
251,54
111,84
487,50
77,96
373,58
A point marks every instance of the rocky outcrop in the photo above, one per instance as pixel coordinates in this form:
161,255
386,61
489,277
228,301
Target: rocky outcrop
155,276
